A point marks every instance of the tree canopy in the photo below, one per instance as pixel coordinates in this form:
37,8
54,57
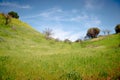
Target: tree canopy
13,14
117,28
93,32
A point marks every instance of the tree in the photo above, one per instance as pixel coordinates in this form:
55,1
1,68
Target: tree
7,19
48,32
13,14
93,32
117,28
106,31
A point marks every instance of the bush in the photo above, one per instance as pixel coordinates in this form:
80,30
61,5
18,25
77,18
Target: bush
67,41
93,32
78,41
117,28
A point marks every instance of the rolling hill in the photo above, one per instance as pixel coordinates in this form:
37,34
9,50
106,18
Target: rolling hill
26,55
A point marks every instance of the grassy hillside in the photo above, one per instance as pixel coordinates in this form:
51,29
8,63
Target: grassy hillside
26,55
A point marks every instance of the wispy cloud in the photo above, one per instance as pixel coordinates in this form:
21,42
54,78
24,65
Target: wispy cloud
10,4
93,4
51,12
31,16
58,19
58,14
93,21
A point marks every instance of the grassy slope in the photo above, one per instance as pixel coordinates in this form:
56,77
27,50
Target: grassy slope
26,55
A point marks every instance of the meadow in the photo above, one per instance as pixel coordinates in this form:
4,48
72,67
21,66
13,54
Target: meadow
25,54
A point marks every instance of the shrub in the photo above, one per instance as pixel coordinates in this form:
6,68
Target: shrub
78,41
57,40
67,41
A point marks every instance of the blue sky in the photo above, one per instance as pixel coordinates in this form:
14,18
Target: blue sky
69,19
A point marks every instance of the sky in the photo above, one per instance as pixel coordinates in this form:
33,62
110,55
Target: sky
69,19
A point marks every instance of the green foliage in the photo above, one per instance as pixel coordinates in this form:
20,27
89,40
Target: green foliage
117,28
93,32
13,14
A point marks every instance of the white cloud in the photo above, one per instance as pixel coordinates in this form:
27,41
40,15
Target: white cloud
78,35
9,4
61,34
71,35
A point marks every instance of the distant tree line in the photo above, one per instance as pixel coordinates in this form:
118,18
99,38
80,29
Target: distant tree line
91,33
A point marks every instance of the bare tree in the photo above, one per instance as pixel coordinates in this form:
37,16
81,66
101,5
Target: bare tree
48,32
108,32
104,32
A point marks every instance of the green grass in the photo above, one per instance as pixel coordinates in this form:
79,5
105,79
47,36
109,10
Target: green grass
26,55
